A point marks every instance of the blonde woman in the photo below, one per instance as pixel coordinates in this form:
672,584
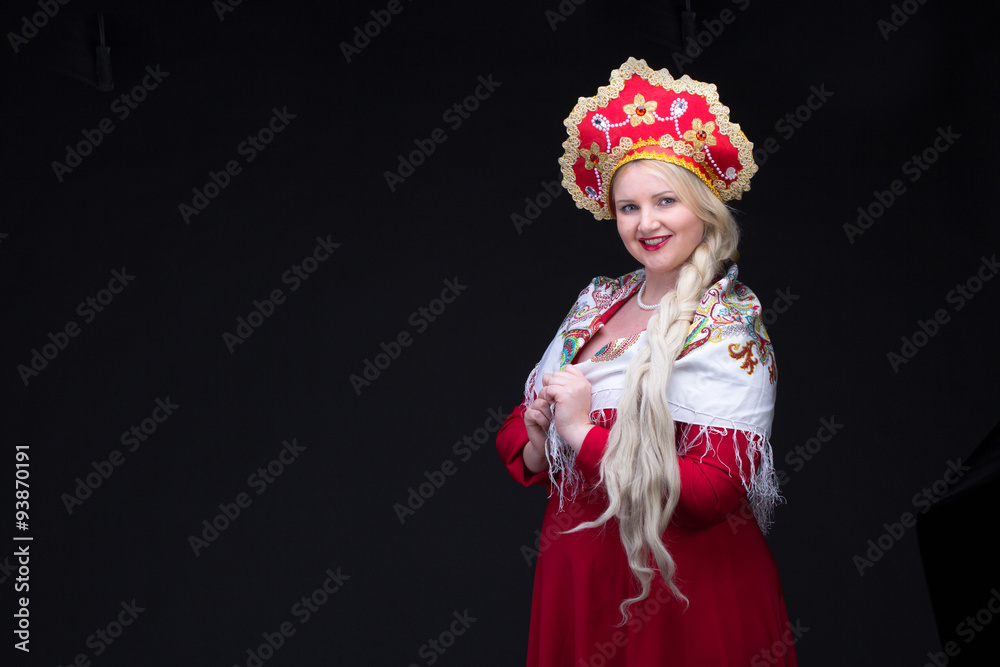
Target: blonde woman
649,414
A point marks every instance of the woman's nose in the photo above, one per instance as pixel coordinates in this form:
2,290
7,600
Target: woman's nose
647,219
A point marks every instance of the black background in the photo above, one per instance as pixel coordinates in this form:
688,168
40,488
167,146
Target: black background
324,176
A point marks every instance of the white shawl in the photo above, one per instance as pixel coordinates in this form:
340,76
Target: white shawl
724,378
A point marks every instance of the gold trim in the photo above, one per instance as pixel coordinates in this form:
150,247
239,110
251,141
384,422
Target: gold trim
663,79
662,157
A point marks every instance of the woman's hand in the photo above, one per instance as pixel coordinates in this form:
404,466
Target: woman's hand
536,420
570,391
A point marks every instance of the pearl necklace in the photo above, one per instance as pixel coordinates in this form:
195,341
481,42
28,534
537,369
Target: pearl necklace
638,298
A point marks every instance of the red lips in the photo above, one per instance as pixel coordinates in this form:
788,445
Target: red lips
653,247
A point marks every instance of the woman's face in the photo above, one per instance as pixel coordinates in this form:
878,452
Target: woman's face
657,229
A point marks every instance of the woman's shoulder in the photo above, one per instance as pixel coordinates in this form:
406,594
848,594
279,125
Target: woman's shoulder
607,286
604,291
730,318
601,293
728,292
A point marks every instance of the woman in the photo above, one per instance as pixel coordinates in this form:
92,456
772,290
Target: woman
649,414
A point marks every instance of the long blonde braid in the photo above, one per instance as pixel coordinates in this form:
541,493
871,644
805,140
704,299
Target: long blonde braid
640,470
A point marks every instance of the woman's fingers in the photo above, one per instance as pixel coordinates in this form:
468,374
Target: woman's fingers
565,383
540,413
545,409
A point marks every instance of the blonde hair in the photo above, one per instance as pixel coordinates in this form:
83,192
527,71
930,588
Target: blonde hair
640,470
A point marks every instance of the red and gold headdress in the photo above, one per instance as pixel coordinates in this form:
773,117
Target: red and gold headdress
646,114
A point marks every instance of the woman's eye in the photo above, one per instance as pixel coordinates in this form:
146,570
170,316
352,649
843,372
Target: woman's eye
667,200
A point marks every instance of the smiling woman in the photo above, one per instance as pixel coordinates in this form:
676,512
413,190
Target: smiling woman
658,228
649,418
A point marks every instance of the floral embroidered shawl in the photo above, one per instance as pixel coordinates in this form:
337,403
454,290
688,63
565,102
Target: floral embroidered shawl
725,376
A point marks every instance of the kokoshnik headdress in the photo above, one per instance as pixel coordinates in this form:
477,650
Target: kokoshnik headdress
646,114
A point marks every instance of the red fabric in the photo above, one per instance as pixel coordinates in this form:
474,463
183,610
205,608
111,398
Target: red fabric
680,121
737,613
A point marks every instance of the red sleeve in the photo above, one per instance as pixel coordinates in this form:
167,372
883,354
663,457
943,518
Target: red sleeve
511,441
711,488
588,459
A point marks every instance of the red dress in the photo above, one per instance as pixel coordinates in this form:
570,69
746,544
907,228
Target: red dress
737,612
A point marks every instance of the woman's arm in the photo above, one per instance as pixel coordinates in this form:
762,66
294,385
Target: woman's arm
512,440
711,487
570,391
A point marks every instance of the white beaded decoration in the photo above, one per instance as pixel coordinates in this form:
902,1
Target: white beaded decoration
638,299
708,154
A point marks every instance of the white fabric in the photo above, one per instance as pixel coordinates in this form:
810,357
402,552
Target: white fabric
725,377
607,377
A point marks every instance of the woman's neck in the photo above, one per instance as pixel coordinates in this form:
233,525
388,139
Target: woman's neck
657,286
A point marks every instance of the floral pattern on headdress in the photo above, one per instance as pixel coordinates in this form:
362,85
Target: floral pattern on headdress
629,120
